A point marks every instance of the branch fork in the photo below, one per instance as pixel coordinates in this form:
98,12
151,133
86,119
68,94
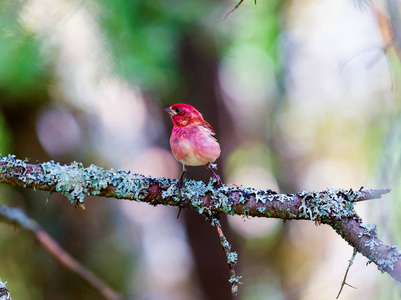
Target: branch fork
334,207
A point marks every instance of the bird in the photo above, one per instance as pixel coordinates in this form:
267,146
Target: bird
193,141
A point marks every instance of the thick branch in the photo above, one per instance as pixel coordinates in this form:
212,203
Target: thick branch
332,207
364,239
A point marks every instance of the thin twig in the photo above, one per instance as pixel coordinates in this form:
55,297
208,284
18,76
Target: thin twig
232,10
19,218
351,261
232,256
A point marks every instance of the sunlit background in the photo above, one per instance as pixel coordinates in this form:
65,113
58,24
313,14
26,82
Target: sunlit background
301,94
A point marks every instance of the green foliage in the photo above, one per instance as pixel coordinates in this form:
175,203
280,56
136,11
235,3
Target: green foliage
144,37
21,64
5,141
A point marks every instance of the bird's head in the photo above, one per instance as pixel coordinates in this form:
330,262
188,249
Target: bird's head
183,114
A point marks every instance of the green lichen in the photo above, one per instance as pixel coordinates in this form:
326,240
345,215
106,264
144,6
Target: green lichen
262,209
194,190
393,256
384,258
10,162
235,281
75,181
232,257
4,293
261,198
222,201
197,188
9,159
220,198
224,243
369,230
329,204
2,284
69,180
128,185
171,192
283,198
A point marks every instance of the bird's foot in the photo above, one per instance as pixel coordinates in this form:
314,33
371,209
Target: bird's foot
180,184
181,180
216,177
218,180
213,166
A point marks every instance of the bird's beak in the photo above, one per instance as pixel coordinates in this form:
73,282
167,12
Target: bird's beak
169,111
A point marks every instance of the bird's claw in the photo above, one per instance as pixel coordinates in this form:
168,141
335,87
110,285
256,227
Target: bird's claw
218,180
180,184
213,166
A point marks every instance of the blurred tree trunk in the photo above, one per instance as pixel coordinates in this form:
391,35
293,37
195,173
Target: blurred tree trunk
199,69
50,277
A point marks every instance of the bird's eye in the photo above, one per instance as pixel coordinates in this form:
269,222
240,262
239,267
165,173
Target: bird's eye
177,110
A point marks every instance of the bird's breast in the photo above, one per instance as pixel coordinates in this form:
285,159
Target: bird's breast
194,146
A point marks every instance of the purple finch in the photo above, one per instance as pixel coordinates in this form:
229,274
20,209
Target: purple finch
193,141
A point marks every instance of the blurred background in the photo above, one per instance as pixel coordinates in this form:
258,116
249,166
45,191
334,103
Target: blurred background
302,95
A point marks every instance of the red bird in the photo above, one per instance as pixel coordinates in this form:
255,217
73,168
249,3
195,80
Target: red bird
193,141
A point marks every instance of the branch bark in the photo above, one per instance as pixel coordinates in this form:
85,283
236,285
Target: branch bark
17,217
332,207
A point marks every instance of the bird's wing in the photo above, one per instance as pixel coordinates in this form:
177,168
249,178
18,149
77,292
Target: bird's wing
210,130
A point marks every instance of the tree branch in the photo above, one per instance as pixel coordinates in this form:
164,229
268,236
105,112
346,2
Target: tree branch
17,217
232,256
351,262
332,207
4,293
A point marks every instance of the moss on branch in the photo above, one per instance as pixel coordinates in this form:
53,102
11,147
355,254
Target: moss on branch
76,182
332,207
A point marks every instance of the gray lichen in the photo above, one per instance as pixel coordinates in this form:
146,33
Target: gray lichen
76,182
369,230
386,256
235,281
232,257
4,293
329,204
262,209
